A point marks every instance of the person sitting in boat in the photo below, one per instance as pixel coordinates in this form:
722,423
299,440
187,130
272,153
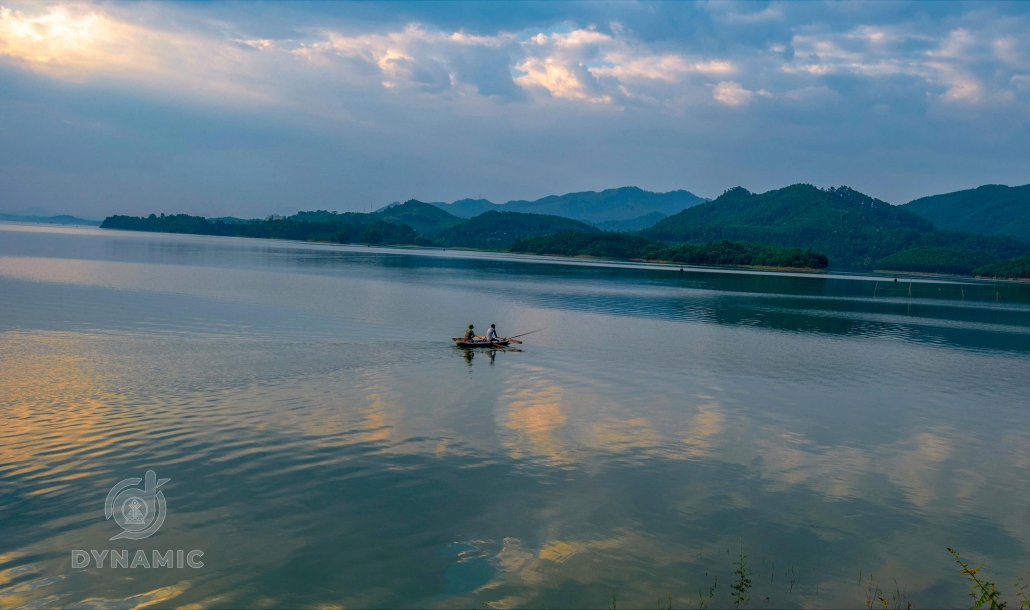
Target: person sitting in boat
491,335
470,335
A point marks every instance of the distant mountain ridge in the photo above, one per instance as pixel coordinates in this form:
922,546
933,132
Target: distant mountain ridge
620,204
992,209
60,219
851,228
409,223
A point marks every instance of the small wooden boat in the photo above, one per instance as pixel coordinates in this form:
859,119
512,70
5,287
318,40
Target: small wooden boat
460,342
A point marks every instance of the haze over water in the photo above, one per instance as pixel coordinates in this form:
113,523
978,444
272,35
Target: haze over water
327,444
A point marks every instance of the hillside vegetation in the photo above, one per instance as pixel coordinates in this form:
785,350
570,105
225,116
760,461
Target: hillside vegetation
992,209
424,218
796,226
499,229
614,245
1012,269
601,245
491,230
349,228
633,224
852,229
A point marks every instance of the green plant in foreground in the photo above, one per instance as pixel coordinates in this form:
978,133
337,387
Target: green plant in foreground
703,603
983,591
742,586
1023,591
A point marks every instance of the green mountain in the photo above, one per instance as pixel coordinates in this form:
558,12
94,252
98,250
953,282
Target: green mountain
232,220
601,245
62,219
322,216
993,209
852,229
615,245
633,224
495,229
589,206
467,208
341,228
424,218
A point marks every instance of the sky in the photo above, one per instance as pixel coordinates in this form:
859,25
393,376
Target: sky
252,109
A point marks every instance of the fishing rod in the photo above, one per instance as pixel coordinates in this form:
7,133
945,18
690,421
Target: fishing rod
529,333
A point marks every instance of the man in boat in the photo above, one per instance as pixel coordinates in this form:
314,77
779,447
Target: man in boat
491,335
470,334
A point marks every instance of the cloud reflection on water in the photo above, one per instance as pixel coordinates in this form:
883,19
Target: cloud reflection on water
353,451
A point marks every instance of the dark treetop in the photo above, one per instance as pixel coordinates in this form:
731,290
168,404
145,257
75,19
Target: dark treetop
499,229
614,245
1016,269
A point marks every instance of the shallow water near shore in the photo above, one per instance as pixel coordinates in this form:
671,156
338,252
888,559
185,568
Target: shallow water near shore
327,445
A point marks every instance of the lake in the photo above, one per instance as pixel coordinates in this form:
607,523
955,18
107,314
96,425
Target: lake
327,445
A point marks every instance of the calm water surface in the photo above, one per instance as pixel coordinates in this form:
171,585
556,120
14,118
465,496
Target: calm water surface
328,446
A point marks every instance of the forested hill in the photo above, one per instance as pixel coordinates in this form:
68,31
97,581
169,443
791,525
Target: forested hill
618,246
495,229
325,226
852,229
592,207
490,230
63,219
1012,269
425,218
993,209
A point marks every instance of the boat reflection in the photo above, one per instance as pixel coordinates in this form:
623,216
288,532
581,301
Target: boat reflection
468,353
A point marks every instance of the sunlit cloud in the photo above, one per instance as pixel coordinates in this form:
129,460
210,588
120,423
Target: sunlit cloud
575,64
62,38
80,42
732,94
593,66
585,65
535,418
950,66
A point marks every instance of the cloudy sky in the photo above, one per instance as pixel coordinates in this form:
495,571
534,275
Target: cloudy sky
251,109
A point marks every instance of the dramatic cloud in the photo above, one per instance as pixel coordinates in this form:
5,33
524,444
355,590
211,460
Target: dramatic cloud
572,95
590,65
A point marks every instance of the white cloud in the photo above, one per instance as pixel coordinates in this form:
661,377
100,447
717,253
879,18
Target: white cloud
598,67
584,64
981,61
732,94
559,79
960,65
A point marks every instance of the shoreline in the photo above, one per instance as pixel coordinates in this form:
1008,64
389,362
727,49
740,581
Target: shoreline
537,258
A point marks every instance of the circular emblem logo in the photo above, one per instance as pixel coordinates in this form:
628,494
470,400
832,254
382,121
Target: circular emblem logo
139,512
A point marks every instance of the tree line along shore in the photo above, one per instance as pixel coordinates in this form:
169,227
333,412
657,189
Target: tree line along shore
796,227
